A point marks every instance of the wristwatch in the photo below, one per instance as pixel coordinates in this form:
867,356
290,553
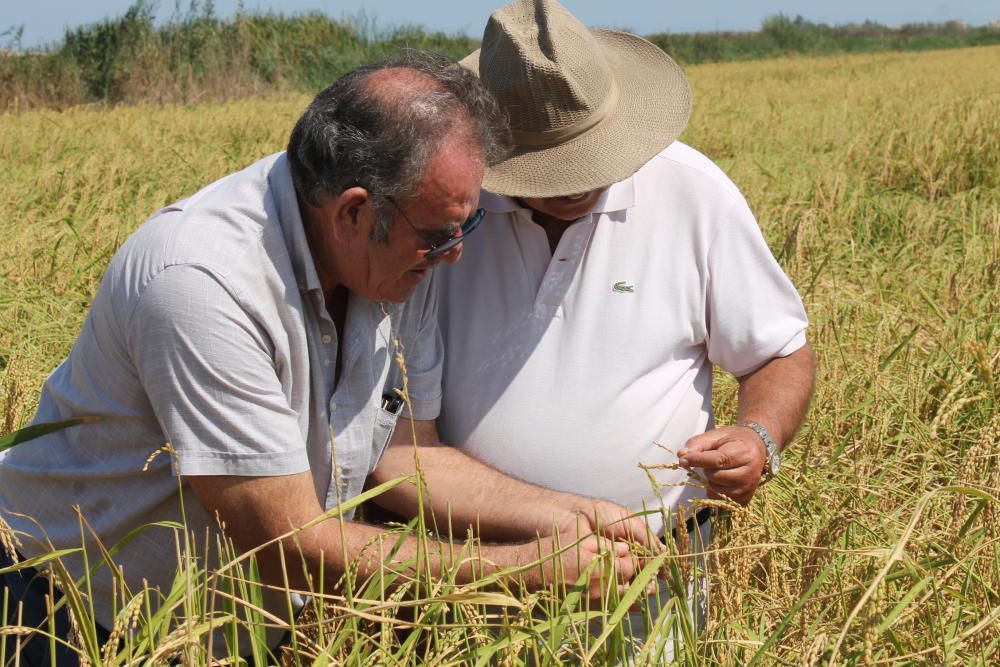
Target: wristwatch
772,464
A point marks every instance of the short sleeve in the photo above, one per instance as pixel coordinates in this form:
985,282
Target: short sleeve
754,313
208,371
423,352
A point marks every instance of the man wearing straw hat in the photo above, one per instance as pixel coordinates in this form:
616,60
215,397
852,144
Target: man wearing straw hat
615,267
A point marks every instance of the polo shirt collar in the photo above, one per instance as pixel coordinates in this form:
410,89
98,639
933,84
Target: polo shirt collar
618,197
290,219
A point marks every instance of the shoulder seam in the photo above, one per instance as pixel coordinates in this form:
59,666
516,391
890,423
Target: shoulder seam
223,281
730,188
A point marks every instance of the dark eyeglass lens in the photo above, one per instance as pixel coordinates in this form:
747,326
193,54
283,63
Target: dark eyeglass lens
455,239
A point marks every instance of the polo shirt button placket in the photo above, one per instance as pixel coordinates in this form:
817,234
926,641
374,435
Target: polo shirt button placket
561,270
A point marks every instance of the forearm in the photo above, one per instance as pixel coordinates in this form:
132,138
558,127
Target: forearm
530,565
777,394
334,547
471,494
281,521
296,546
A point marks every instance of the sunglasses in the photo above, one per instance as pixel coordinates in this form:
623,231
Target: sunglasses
441,242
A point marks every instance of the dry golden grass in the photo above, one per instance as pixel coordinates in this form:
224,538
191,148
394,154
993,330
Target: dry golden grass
875,179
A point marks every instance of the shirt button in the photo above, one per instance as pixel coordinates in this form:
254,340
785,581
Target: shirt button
326,362
333,406
327,338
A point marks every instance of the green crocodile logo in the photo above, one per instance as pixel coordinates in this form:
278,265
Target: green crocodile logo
623,287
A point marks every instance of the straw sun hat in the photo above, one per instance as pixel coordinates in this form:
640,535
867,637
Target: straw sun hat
587,107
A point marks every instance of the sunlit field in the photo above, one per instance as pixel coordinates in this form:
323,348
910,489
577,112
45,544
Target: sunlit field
875,180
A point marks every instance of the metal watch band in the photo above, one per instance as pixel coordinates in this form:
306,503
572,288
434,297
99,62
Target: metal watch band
772,463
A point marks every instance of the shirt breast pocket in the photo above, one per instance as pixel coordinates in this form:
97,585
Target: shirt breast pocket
386,417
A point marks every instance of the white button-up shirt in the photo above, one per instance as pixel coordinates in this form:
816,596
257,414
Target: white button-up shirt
210,332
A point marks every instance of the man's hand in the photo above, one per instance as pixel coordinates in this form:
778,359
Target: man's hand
575,557
590,515
775,395
732,458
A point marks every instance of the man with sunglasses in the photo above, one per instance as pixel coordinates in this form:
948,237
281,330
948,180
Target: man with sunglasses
439,243
254,327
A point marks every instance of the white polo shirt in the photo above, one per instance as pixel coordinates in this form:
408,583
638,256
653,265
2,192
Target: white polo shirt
568,371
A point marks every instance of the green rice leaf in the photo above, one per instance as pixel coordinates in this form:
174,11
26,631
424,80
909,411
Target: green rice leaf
38,430
38,560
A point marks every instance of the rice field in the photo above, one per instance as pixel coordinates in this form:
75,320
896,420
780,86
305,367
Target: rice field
875,180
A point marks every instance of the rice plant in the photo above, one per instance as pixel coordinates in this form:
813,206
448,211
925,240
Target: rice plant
875,179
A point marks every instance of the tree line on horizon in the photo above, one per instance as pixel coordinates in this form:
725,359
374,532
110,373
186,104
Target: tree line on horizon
197,56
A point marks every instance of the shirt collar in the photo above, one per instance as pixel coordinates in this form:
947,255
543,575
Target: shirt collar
293,229
618,197
290,219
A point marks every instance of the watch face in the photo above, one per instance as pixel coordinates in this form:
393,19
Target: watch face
775,463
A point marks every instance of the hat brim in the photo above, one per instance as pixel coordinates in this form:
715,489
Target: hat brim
654,104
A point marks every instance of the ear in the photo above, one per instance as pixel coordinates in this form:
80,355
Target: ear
345,211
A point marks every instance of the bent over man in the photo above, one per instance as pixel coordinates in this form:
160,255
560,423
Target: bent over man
253,326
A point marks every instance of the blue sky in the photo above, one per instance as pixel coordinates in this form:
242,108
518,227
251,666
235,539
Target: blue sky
44,20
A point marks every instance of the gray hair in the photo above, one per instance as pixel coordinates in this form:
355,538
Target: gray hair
354,133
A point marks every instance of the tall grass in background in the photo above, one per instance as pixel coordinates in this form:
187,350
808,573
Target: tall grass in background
875,179
781,35
194,56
